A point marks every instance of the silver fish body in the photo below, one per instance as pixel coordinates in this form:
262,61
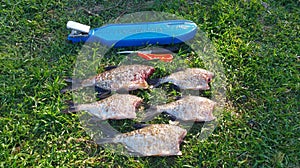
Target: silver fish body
190,78
117,106
189,108
129,77
153,140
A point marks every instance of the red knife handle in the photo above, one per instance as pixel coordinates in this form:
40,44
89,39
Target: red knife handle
162,57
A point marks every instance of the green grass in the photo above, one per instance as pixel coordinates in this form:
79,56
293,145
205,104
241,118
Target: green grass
258,42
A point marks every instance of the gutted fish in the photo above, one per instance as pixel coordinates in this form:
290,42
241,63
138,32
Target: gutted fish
117,106
190,78
152,140
128,77
189,108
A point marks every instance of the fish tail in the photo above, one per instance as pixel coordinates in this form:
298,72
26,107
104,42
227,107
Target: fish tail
72,108
104,141
107,129
109,133
150,114
72,86
69,80
77,84
73,80
69,88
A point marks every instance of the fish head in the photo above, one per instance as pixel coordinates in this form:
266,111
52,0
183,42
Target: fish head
209,114
182,134
148,71
208,77
139,81
143,72
201,83
137,101
195,78
210,117
204,84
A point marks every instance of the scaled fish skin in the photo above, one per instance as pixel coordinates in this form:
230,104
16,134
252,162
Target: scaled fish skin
117,106
152,140
189,108
128,77
190,78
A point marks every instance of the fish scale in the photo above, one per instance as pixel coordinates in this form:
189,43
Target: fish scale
190,78
129,77
189,108
117,106
152,140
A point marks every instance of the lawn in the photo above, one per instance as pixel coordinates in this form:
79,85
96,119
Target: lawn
257,41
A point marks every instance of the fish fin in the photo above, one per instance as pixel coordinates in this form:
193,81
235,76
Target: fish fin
154,82
104,141
172,117
100,90
68,88
178,97
131,151
110,68
102,93
150,114
139,126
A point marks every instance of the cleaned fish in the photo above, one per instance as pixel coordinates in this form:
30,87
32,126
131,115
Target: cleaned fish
188,108
152,140
128,77
117,106
190,78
